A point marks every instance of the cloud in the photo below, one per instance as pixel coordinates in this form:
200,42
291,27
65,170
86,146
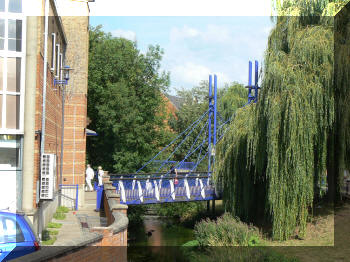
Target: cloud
127,34
182,33
212,34
192,74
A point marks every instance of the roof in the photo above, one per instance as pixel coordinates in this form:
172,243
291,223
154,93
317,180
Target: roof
175,100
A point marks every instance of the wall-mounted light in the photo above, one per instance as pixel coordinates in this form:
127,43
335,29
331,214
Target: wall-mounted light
65,74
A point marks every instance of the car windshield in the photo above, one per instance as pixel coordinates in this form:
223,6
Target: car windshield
10,231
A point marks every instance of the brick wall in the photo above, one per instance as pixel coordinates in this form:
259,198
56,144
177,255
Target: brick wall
53,121
76,29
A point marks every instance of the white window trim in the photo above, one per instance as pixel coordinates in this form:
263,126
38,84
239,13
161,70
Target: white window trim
5,54
57,75
53,52
61,66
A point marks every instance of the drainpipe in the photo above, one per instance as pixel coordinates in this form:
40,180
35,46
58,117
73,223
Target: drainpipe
43,122
62,143
29,114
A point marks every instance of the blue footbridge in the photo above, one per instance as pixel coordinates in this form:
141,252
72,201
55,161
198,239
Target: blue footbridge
182,181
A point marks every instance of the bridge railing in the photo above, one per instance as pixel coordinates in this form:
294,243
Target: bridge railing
160,187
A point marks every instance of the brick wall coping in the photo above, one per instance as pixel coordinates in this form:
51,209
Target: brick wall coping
49,252
114,205
109,187
111,194
120,223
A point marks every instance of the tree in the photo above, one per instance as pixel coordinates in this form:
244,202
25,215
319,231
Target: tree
124,102
277,151
195,104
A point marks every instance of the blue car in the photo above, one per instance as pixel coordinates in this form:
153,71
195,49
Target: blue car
17,237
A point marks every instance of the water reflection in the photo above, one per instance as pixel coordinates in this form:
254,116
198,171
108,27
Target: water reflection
158,239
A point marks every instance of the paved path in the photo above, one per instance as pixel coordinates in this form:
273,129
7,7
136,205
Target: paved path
77,223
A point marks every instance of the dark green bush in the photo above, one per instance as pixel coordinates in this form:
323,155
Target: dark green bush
226,231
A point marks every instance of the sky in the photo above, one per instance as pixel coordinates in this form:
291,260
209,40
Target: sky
194,45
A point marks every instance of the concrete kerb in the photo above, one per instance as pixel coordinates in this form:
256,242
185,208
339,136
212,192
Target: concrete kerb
50,252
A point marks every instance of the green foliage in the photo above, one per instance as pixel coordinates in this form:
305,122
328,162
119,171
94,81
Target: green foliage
62,209
135,214
192,243
225,231
272,162
195,103
124,101
53,232
185,211
54,225
59,216
231,98
48,238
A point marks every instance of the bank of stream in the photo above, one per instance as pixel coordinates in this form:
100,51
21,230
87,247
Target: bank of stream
160,238
157,239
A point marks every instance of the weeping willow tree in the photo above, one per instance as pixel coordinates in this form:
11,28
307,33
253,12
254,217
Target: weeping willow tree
272,162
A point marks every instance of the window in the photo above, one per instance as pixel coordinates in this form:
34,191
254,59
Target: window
1,75
2,5
53,50
14,74
12,111
12,58
15,35
10,152
15,6
57,61
2,34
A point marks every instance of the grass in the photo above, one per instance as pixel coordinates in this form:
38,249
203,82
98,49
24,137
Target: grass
53,232
62,209
59,216
331,231
54,225
49,237
327,238
49,242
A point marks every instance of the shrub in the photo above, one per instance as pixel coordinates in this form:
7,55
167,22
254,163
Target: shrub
226,231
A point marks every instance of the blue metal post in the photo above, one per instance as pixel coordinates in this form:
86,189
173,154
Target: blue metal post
209,123
250,82
76,197
256,80
215,123
215,107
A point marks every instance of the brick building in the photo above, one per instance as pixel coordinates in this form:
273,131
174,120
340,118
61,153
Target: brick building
33,50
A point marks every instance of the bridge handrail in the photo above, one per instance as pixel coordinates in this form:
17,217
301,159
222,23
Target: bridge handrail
155,178
159,173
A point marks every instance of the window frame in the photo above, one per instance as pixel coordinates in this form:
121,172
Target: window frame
53,52
57,73
5,54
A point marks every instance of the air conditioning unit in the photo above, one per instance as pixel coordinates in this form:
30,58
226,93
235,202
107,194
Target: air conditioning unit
48,176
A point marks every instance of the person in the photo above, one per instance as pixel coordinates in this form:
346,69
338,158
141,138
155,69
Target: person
173,171
89,175
100,175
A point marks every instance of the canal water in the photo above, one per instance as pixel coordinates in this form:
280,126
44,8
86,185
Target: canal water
158,239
